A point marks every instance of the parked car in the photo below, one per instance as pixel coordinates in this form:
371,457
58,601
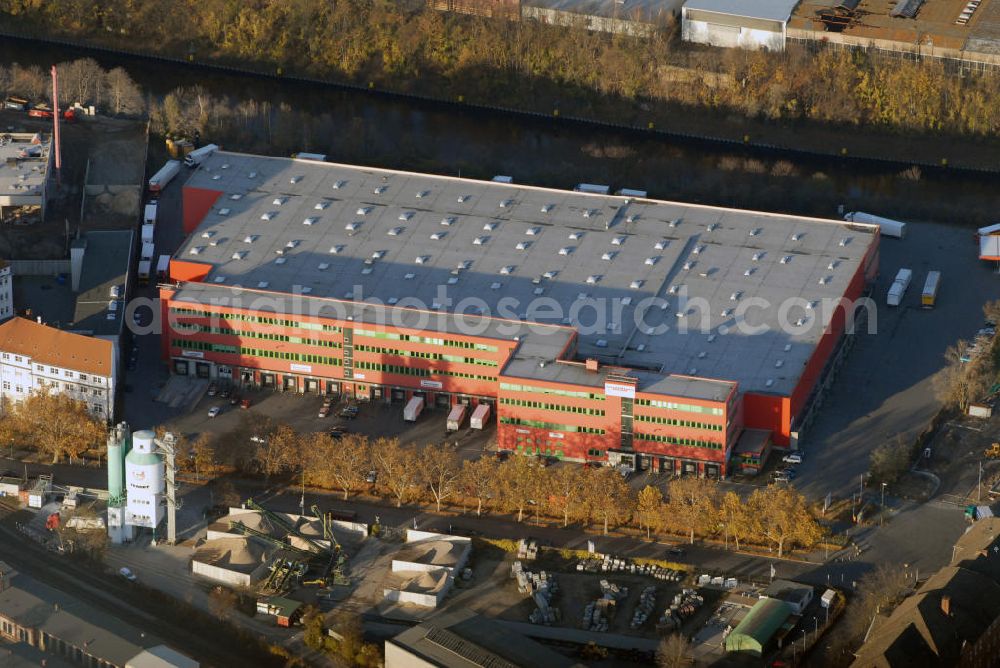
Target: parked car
245,403
592,465
324,411
256,438
214,411
792,458
371,477
781,477
127,574
501,455
675,551
349,412
226,391
213,389
337,432
234,399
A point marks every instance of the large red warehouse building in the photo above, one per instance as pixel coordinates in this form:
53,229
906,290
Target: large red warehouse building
600,327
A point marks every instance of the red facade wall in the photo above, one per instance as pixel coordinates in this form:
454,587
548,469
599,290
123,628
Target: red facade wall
197,202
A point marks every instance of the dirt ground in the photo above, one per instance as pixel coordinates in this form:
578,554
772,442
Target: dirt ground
116,150
956,451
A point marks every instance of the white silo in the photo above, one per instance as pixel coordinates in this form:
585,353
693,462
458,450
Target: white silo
144,482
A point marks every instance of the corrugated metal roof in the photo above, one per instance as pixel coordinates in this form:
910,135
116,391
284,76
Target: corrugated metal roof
773,10
759,626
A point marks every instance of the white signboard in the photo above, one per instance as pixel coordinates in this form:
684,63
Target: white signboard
302,368
622,390
193,353
555,434
432,384
359,376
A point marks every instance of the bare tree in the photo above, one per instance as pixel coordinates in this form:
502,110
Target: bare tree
342,463
672,652
124,95
278,452
439,470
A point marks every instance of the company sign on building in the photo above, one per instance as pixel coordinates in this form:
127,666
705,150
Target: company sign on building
623,390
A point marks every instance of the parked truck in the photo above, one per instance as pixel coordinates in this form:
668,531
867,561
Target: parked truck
197,156
928,298
166,174
163,267
147,233
144,272
887,226
413,409
456,417
315,157
898,287
148,249
149,213
480,416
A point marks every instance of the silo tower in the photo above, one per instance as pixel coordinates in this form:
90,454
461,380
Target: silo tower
145,485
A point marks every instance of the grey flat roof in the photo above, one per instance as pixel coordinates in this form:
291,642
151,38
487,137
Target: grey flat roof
520,251
773,10
463,639
22,177
105,263
640,10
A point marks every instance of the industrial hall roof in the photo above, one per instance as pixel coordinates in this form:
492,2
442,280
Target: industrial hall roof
772,10
51,346
650,285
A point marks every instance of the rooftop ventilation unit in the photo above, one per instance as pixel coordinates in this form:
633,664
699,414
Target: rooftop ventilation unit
689,265
769,382
216,177
305,290
423,193
593,278
550,274
279,251
786,259
693,371
378,255
311,220
575,236
674,223
208,234
465,264
757,256
292,244
294,179
661,244
448,221
778,364
533,231
610,255
224,211
452,280
337,249
280,260
712,227
236,196
800,322
495,286
506,203
845,241
601,343
640,347
363,210
702,355
507,269
337,185
522,245
582,295
405,216
636,284
652,260
698,250
240,255
824,280
832,265
422,259
395,231
392,300
462,199
811,305
438,236
538,291
727,312
489,227
380,189
352,227
632,218
711,338
547,208
278,201
262,284
323,266
590,213
252,175
674,289
627,301
322,205
749,272
736,295
409,276
797,236
268,215
480,241
755,231
250,238
565,250
788,347
617,241
196,250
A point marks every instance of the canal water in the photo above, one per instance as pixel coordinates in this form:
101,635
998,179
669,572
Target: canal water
360,127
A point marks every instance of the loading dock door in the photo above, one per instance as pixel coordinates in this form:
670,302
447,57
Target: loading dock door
312,385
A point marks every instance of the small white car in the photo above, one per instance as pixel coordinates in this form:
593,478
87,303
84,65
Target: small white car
792,458
214,411
127,574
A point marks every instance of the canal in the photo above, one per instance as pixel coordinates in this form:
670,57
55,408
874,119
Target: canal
281,116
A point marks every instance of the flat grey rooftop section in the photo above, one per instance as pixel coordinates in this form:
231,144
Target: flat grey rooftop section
772,10
640,10
657,286
22,175
106,262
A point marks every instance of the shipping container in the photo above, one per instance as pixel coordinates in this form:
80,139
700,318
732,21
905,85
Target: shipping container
592,188
144,272
315,157
149,214
928,297
163,267
413,409
456,417
147,233
148,249
887,226
480,416
898,287
166,174
195,157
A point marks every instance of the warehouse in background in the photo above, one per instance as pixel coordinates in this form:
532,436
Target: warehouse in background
762,24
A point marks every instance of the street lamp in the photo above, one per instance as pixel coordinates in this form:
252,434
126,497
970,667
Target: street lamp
882,514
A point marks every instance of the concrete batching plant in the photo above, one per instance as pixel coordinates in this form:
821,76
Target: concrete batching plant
140,482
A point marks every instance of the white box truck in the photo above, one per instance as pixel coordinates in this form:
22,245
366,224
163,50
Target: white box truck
456,417
147,233
197,156
928,298
480,416
160,179
413,409
149,214
144,272
163,267
887,226
148,249
898,287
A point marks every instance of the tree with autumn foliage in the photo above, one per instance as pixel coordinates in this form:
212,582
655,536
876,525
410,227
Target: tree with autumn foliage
55,424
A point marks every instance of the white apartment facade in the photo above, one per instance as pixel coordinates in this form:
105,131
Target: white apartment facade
6,291
35,357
